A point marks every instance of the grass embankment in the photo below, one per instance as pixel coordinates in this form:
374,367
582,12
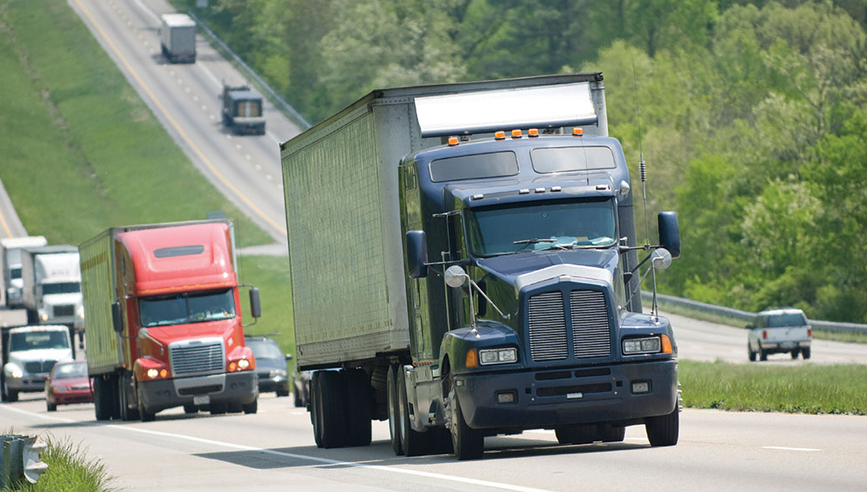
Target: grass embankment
69,470
808,388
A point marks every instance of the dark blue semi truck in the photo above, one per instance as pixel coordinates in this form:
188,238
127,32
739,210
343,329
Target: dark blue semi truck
464,264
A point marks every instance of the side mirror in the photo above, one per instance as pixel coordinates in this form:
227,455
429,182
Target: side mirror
416,254
661,259
288,356
455,276
669,233
255,304
116,317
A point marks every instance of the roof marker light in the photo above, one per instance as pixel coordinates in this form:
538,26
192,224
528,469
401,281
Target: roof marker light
533,132
540,190
478,197
517,134
525,191
500,135
577,132
556,188
453,141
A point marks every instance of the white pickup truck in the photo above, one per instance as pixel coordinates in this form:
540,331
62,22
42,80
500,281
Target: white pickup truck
778,331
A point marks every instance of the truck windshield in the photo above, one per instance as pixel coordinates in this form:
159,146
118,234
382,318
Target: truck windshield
538,226
187,308
15,273
61,288
38,340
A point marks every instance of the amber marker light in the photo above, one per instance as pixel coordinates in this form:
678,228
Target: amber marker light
500,135
577,132
533,132
232,366
472,358
453,141
517,134
666,344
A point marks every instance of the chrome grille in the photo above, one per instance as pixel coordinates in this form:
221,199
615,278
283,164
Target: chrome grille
591,333
547,327
64,310
39,367
197,358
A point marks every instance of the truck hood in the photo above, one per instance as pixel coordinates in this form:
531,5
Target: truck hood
166,335
40,354
528,268
61,299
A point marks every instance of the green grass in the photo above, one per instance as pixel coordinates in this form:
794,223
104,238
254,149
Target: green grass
69,470
81,151
808,388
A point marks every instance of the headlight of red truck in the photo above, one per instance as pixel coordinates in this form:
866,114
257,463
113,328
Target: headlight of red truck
241,359
147,369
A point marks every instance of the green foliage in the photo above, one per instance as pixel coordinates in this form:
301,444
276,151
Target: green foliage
807,388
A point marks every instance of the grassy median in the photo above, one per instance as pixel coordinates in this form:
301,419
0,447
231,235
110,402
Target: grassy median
806,388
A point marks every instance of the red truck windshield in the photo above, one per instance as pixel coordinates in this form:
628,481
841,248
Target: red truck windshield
187,308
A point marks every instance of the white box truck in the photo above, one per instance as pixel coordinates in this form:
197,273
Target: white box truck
52,286
178,38
10,264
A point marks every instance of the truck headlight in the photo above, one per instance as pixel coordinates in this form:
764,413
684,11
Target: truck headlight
17,373
43,317
649,345
243,364
498,356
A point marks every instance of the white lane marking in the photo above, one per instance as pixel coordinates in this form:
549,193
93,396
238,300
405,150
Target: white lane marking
196,98
248,157
148,11
210,75
783,448
238,146
258,167
268,177
315,459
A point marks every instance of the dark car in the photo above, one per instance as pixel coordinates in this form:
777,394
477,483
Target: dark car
67,383
270,365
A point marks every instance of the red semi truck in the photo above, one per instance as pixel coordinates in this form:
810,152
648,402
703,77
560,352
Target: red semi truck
164,322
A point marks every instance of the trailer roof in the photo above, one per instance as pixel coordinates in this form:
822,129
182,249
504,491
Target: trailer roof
65,248
178,20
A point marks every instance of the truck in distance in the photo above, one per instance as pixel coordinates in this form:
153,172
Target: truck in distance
242,109
166,328
178,38
28,355
10,264
464,264
52,286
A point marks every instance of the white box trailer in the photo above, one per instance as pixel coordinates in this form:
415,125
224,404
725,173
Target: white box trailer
178,38
10,264
52,285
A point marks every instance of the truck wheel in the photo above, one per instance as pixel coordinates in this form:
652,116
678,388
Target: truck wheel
392,403
190,409
795,353
124,384
663,430
763,354
577,434
611,433
359,401
251,407
9,394
468,443
282,393
412,442
805,353
332,409
99,397
315,417
750,352
234,407
298,402
218,407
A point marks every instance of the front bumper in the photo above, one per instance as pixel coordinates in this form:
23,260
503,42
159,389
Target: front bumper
27,384
273,383
71,396
576,396
239,387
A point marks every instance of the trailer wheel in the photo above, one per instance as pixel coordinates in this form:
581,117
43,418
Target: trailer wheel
413,443
332,409
663,430
99,405
251,407
468,443
359,403
392,403
315,419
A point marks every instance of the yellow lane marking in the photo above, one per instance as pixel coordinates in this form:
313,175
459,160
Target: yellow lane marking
175,124
6,228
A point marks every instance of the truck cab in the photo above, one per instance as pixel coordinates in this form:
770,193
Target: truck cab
242,110
29,354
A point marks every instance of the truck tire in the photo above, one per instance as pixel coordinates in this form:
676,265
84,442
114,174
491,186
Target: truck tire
795,353
144,414
663,430
413,443
468,443
805,353
392,403
190,409
359,401
99,405
332,409
611,433
763,354
9,394
250,408
124,385
750,352
218,407
314,409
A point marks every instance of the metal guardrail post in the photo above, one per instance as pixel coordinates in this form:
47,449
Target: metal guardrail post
19,459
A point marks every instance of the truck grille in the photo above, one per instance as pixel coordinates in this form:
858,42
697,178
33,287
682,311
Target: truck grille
64,310
549,333
197,358
547,327
591,333
39,367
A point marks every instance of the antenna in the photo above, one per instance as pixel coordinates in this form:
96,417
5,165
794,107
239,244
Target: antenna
641,165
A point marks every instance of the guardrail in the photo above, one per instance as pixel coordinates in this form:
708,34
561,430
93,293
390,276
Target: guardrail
267,88
741,318
19,460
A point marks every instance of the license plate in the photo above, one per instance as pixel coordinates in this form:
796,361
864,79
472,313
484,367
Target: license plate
201,399
574,396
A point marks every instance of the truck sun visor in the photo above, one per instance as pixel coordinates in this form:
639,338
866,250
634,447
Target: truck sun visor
179,251
486,111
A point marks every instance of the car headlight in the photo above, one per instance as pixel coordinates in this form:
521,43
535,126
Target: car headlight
498,356
649,345
17,373
280,372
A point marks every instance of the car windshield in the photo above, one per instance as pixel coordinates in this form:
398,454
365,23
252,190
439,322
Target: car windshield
265,350
787,319
38,340
187,308
540,226
61,288
68,371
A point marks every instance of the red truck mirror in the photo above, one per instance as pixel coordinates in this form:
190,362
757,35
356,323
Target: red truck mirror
255,304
